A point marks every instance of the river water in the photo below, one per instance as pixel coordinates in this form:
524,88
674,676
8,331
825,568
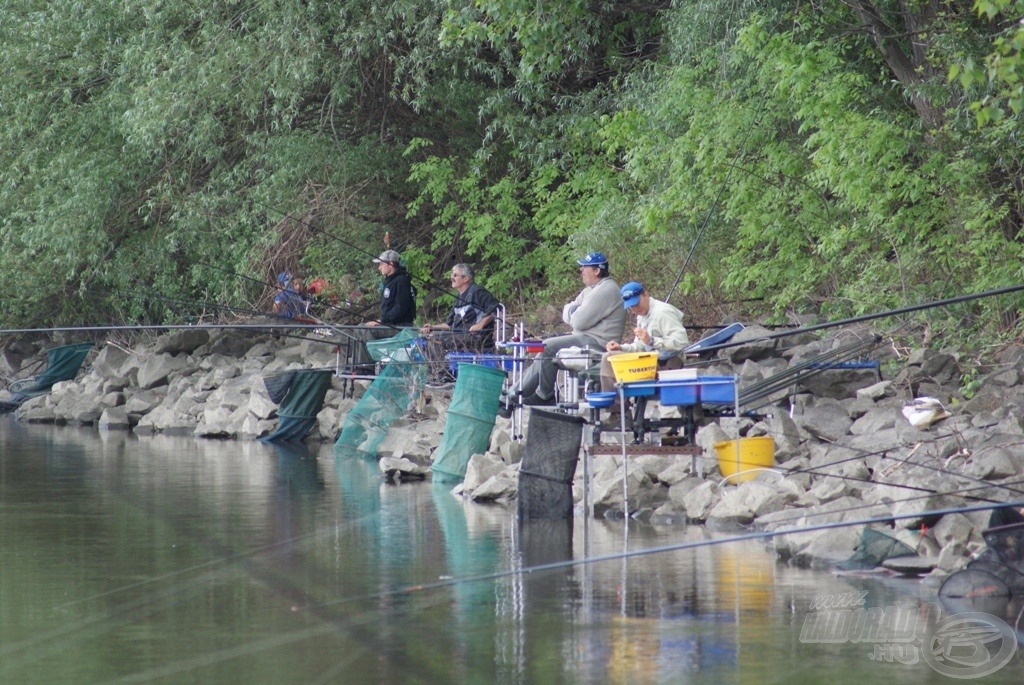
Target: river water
172,560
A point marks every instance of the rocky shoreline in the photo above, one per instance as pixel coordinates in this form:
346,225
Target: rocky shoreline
845,451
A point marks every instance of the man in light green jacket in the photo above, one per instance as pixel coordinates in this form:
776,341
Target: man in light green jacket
659,328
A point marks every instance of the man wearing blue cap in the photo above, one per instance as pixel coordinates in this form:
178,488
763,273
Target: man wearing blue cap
659,328
597,318
290,301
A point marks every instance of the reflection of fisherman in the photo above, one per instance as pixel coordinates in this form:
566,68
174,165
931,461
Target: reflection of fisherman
290,301
659,328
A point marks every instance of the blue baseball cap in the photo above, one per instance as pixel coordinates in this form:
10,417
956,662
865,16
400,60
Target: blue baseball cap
284,278
631,294
593,259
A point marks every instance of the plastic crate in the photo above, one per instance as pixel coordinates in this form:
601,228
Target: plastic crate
494,361
679,393
639,389
717,389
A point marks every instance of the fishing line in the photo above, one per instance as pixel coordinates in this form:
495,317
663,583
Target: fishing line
430,285
676,547
869,317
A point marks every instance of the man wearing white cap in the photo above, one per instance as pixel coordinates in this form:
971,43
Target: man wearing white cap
597,318
659,328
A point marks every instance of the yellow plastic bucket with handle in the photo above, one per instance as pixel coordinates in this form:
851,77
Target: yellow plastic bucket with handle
740,460
634,366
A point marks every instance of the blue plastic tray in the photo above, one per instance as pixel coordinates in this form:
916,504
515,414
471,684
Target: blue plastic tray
601,399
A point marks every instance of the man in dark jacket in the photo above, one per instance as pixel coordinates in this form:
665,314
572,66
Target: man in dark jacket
469,327
398,297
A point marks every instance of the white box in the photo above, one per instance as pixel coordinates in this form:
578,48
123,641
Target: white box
677,375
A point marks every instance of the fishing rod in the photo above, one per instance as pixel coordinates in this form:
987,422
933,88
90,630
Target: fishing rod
707,217
430,285
870,317
816,471
676,547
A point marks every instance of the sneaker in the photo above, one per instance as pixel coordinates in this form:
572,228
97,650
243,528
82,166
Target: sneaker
538,401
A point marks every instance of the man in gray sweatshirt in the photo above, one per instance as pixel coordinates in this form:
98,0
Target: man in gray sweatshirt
596,317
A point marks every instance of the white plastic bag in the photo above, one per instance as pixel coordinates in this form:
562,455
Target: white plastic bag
924,411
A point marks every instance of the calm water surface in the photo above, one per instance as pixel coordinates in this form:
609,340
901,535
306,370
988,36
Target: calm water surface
171,560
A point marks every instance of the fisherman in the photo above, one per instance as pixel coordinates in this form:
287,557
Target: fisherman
398,295
322,298
290,301
469,327
659,328
597,317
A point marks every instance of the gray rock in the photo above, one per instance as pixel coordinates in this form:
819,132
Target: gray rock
500,487
876,420
157,370
395,468
114,419
824,420
479,469
186,340
698,501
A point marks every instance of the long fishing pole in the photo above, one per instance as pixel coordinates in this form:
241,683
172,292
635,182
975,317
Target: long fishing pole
869,317
431,285
676,547
707,217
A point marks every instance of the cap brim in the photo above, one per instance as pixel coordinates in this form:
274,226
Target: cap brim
631,302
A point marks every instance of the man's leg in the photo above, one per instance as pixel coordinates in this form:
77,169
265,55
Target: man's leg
547,371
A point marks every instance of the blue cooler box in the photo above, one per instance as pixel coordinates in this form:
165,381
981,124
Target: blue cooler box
703,389
679,393
717,389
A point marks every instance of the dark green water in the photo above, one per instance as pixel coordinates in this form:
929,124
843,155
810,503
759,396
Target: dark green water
171,560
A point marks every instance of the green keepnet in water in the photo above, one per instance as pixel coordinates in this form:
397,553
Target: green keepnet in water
301,397
388,398
470,420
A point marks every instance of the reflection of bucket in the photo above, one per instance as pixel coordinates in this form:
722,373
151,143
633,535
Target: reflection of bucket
634,366
743,455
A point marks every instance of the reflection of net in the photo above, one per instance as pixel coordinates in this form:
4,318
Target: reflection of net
974,583
1007,542
874,548
387,399
997,572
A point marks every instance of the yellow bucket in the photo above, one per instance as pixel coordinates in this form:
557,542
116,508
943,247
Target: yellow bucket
634,366
745,457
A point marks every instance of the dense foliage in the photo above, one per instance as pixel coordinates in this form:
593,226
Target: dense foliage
162,160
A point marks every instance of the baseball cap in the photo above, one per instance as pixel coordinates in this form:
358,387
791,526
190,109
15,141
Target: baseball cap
631,294
390,256
284,278
593,259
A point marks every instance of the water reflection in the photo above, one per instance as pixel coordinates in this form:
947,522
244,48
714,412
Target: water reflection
168,559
